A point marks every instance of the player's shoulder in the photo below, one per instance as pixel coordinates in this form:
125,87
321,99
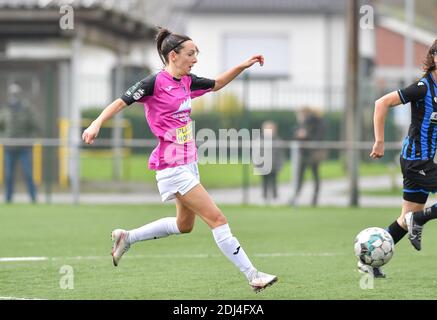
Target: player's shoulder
198,82
151,78
141,89
422,85
148,83
415,92
194,76
422,88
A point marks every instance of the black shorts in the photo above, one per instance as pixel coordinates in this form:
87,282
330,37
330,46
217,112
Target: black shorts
420,179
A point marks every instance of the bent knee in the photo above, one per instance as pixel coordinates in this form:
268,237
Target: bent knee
186,229
185,226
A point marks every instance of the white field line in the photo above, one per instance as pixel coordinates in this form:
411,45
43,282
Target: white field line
19,259
173,256
15,298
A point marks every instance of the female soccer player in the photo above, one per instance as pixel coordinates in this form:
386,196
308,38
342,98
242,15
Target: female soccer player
418,150
167,96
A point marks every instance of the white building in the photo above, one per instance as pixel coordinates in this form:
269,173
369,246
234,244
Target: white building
304,44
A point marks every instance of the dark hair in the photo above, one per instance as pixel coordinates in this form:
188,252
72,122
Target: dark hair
166,41
428,63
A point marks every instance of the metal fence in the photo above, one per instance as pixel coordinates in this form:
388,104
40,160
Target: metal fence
282,95
99,183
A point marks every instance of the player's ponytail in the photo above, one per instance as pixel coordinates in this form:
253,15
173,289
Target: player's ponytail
166,41
429,64
160,37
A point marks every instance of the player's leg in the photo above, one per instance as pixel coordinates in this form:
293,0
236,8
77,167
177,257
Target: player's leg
26,161
415,218
414,199
10,165
300,178
185,217
169,181
182,223
265,187
417,185
418,216
398,229
409,206
423,216
414,202
199,201
274,184
315,171
270,186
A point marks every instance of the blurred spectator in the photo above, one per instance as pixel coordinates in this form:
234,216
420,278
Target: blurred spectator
18,121
311,127
269,180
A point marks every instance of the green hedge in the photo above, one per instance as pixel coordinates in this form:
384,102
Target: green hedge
213,120
286,121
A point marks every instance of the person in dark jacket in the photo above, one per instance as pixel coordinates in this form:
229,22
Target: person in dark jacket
18,121
269,180
311,127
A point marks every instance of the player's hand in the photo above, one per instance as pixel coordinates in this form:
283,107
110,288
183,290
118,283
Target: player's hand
378,150
252,60
91,133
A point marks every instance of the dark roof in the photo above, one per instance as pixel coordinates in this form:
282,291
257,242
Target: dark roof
45,4
269,6
24,18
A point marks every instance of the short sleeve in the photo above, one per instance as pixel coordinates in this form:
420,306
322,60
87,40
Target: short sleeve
200,86
415,92
140,90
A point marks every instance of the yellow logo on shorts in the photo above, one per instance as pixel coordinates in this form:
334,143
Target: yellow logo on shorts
184,134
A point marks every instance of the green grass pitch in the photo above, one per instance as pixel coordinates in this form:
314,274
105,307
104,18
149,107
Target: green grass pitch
310,249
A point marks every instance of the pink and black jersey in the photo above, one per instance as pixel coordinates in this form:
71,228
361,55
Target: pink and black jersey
167,106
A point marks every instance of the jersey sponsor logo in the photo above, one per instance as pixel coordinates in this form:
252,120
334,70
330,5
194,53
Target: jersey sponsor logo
186,105
132,89
433,118
184,134
168,89
181,116
138,94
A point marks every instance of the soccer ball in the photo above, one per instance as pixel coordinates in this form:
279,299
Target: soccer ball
374,246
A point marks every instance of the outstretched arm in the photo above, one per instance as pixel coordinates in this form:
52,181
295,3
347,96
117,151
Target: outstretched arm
231,74
93,130
381,109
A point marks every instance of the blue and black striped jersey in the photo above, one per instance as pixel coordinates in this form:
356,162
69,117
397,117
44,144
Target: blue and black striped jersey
420,143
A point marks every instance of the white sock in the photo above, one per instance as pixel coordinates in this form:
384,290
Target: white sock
231,248
157,229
